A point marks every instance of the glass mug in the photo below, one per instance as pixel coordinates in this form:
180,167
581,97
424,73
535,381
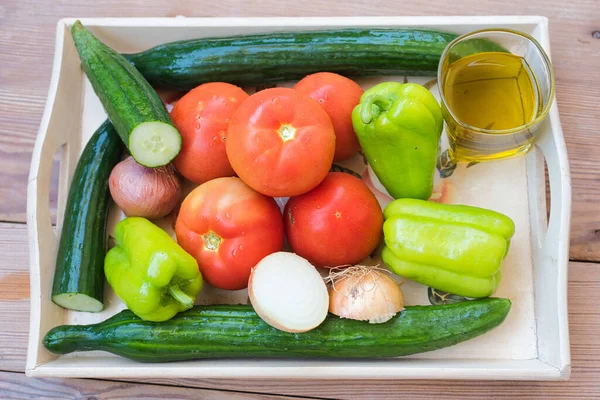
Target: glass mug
470,143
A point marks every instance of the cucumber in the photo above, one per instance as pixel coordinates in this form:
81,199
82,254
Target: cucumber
226,331
134,108
267,58
79,275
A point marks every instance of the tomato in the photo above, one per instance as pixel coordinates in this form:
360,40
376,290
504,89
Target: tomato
202,117
281,142
337,223
338,95
228,228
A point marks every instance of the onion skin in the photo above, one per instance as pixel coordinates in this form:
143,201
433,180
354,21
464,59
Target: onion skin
365,294
144,192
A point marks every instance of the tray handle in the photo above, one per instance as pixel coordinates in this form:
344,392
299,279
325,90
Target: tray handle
551,250
59,128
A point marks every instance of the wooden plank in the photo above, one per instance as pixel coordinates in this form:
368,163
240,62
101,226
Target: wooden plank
16,386
576,54
584,321
14,296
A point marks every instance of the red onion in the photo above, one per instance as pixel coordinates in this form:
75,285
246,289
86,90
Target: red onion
144,192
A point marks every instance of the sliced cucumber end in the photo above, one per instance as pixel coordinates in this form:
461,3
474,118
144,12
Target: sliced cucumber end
78,302
154,144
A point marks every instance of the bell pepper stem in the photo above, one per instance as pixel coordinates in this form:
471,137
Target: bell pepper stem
366,109
180,296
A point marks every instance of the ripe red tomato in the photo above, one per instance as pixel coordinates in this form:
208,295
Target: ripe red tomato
228,228
202,117
338,95
280,142
337,223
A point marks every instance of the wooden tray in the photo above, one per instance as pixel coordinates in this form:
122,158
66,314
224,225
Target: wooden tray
533,342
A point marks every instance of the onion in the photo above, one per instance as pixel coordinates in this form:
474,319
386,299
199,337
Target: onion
144,192
364,293
288,293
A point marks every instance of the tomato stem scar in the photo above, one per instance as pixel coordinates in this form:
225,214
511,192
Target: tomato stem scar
212,241
287,132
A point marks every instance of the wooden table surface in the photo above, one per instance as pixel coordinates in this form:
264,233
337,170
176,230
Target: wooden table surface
26,51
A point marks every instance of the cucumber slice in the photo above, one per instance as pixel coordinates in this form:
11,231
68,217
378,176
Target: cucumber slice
153,144
78,301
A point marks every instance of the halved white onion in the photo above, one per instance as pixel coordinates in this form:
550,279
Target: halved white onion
288,293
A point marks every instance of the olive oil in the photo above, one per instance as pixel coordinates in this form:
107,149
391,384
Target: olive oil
494,102
493,91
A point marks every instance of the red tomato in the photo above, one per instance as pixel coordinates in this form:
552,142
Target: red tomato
338,95
337,223
202,117
228,228
281,142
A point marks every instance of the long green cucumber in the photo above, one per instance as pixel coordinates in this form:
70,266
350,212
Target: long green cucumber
225,331
132,105
79,274
265,58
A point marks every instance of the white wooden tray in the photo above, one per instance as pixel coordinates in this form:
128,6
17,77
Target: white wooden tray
533,342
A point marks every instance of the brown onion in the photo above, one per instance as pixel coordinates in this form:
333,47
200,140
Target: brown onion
144,192
364,293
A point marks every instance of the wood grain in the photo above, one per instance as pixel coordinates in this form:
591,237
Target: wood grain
14,296
584,322
16,386
27,43
26,52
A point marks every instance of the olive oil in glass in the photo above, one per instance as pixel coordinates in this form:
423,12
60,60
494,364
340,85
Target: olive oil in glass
492,91
495,99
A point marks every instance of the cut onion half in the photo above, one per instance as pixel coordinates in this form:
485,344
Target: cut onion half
288,293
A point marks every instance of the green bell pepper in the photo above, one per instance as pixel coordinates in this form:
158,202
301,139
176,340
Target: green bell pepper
399,127
454,248
150,272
